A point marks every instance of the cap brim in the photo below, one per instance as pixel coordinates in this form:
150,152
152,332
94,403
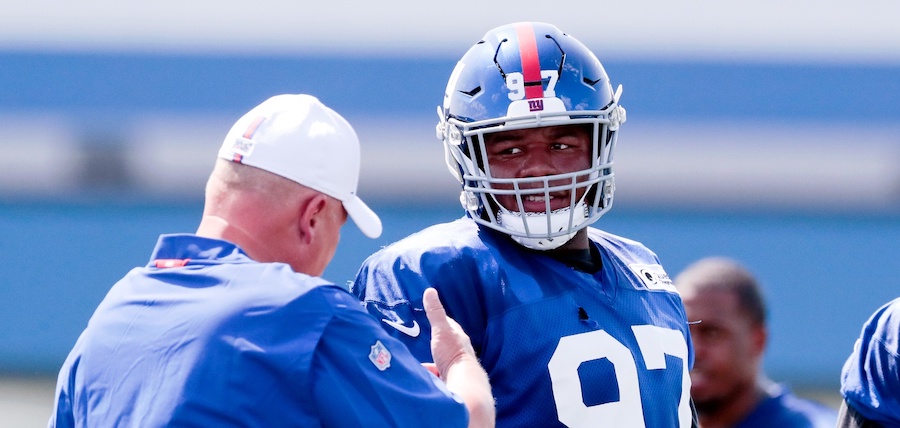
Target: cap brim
366,219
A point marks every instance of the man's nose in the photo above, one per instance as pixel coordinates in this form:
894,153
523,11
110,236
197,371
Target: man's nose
537,164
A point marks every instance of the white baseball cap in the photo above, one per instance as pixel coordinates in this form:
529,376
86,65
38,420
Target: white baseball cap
301,139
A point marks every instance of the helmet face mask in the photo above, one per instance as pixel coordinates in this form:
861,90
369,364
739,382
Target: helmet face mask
520,77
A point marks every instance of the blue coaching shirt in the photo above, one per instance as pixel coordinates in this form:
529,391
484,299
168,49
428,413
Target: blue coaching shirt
870,380
561,347
205,336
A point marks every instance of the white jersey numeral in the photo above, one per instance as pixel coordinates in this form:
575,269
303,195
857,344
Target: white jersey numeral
553,75
515,82
654,343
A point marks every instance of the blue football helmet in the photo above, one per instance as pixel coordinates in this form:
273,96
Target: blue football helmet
520,76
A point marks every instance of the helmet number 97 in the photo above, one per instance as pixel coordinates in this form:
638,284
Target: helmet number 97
515,82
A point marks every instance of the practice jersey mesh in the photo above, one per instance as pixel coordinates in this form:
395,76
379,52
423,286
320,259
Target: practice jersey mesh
561,347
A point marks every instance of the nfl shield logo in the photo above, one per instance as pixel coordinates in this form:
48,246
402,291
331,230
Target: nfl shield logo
380,356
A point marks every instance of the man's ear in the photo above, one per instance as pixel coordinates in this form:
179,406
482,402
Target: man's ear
309,217
760,339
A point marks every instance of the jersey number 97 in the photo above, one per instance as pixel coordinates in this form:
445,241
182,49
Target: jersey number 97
654,342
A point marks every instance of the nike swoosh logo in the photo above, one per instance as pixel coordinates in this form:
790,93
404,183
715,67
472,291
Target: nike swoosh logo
412,331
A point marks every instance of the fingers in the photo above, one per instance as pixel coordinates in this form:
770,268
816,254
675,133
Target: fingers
448,341
434,309
456,363
437,315
432,367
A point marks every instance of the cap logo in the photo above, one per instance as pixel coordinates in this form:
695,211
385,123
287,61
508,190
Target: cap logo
243,145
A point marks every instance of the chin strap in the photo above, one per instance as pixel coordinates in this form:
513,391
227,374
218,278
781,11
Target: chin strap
543,244
537,226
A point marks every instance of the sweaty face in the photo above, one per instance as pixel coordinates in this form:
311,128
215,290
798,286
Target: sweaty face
539,152
727,346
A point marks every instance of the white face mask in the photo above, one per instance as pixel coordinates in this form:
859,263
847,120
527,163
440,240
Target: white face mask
540,231
466,157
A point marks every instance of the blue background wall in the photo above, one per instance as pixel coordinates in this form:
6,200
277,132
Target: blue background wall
823,274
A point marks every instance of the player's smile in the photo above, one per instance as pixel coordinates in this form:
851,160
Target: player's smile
538,202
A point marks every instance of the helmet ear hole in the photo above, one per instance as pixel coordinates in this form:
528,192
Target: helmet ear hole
474,148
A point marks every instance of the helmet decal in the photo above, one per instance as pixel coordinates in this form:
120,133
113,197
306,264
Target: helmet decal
531,62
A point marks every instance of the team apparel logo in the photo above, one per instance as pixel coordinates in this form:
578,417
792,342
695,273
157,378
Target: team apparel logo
380,356
411,331
654,277
243,145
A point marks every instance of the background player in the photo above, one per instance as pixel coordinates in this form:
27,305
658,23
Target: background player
232,327
575,326
728,313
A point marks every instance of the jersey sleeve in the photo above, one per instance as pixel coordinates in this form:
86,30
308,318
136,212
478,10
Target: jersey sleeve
449,257
392,294
363,377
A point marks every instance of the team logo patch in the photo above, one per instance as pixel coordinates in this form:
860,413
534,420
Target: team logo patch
242,147
535,105
380,356
653,276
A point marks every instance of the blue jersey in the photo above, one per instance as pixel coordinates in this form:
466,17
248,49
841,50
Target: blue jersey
870,381
783,409
561,347
205,336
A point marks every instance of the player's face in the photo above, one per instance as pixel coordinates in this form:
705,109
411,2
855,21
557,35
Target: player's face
727,346
539,152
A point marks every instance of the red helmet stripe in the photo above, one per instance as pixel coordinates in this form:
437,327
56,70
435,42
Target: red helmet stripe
531,61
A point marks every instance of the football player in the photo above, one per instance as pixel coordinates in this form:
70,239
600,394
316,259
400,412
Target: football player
575,326
730,335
